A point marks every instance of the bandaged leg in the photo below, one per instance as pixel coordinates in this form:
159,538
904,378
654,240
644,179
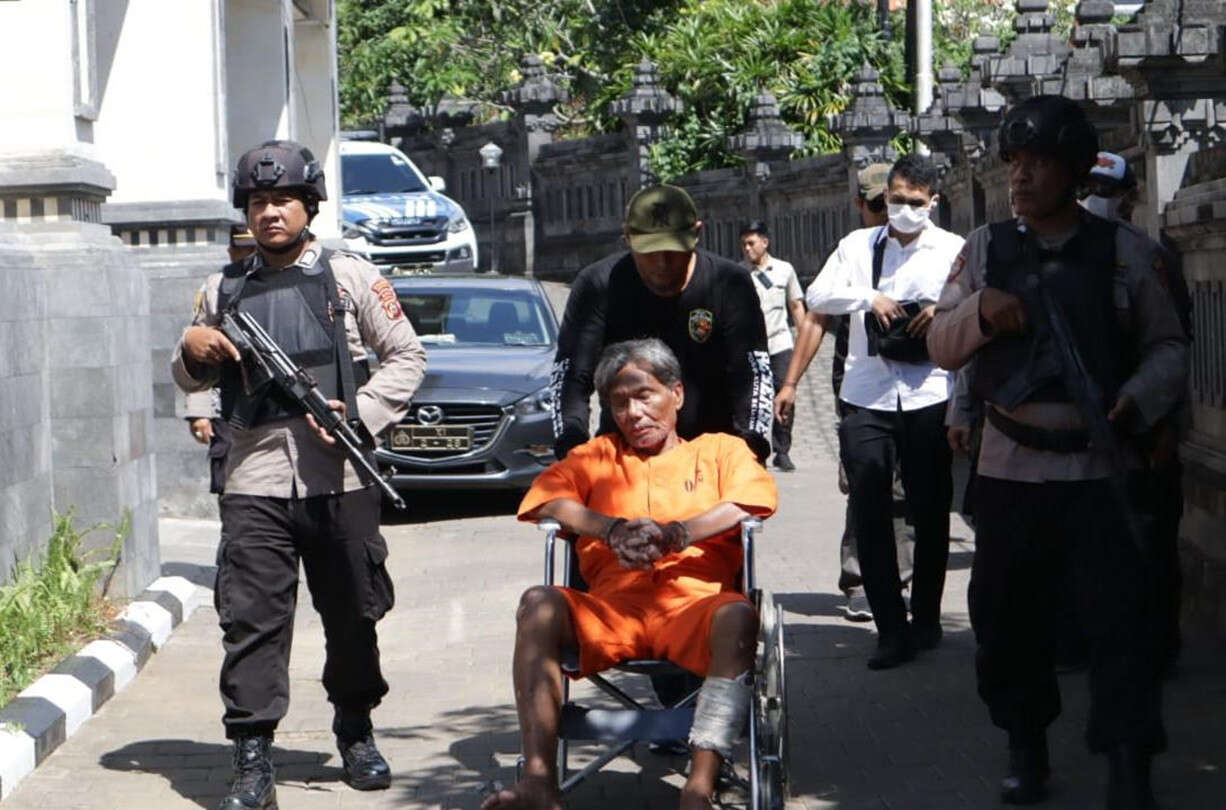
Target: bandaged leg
723,705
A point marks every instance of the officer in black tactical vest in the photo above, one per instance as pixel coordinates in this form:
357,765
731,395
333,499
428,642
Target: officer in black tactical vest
290,493
1073,334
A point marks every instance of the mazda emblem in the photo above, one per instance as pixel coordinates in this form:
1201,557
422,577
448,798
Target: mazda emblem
429,415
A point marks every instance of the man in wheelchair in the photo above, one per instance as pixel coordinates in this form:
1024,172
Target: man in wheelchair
657,520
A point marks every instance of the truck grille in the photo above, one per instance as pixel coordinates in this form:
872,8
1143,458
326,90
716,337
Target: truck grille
400,258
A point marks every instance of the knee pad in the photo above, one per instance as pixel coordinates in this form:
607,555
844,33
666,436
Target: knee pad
723,705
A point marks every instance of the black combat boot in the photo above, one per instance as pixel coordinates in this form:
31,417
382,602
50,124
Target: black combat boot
1128,786
365,767
255,787
1028,770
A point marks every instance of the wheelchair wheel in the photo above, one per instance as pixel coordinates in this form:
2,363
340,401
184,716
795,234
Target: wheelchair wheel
770,707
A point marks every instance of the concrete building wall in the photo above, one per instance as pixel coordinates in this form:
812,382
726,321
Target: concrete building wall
158,126
44,95
316,115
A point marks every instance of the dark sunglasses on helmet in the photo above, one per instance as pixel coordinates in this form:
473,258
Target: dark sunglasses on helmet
876,204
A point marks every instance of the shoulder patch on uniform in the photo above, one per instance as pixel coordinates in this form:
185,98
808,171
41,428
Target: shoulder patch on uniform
387,299
958,265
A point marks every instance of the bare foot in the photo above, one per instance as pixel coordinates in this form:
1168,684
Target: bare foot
530,793
692,799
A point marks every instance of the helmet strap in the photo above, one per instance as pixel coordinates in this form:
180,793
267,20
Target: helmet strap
301,238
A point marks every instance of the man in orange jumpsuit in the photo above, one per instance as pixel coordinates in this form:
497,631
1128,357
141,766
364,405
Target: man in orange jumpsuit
658,524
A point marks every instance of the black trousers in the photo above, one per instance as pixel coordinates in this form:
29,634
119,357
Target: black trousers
1032,540
262,540
871,443
781,432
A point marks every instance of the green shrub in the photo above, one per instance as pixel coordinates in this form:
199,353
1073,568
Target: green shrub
52,600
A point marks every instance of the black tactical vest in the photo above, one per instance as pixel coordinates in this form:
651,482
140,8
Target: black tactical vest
301,309
1012,370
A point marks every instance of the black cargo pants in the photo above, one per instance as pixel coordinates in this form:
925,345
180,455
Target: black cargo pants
262,540
1031,541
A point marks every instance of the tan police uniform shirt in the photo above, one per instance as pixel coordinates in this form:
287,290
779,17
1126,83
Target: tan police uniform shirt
780,289
1147,316
285,458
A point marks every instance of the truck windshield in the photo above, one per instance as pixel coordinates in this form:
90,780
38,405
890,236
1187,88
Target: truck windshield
378,174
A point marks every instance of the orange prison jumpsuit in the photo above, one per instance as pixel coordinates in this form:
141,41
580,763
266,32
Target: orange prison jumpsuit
664,612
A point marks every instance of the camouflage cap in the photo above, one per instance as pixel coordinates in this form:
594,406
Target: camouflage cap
662,218
873,179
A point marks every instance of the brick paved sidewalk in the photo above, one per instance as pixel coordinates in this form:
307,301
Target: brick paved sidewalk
914,738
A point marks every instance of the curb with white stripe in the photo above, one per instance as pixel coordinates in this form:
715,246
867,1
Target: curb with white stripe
51,709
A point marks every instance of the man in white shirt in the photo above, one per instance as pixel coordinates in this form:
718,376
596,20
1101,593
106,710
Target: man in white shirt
889,278
779,291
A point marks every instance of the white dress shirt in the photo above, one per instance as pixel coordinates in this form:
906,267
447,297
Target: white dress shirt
784,288
912,272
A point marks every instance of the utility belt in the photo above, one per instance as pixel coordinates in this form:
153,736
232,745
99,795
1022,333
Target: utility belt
1053,440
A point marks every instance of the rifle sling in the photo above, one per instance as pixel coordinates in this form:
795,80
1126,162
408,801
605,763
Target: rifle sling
1052,440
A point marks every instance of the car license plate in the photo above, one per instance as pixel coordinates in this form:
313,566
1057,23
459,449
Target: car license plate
412,270
442,437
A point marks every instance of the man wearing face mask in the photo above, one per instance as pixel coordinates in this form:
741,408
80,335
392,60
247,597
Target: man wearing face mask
893,398
703,307
1046,510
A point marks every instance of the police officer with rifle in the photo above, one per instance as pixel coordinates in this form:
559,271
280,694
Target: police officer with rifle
1078,353
292,491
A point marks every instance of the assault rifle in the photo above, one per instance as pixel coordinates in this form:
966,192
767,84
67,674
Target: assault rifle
270,363
1081,386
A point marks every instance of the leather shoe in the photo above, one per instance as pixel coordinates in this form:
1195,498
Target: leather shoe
926,636
784,463
1028,772
254,786
365,768
891,651
1128,785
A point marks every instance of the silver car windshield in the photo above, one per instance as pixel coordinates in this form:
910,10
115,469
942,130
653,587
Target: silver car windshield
478,318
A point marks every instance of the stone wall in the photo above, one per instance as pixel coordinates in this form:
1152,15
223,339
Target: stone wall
78,400
25,423
1196,222
176,246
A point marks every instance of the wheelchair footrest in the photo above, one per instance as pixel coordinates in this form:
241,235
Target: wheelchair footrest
578,723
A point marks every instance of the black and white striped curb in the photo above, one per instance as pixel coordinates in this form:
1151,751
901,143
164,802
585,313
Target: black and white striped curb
51,709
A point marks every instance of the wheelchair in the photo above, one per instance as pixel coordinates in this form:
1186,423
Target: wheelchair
620,730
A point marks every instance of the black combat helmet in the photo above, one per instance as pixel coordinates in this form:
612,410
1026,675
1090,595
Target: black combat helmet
279,164
1051,125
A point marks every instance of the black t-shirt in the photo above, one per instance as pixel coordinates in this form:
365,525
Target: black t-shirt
714,326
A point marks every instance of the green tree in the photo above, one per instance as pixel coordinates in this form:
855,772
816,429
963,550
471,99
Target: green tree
714,55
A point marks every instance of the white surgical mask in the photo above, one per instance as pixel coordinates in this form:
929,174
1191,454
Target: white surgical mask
1105,207
908,218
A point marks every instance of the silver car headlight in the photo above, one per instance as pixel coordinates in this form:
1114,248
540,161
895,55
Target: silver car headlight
457,223
535,403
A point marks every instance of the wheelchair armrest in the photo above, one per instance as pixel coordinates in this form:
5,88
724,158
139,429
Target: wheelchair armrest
553,533
749,527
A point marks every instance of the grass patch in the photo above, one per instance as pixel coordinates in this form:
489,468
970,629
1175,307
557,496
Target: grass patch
54,600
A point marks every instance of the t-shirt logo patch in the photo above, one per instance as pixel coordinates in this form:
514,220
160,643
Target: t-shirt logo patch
700,325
